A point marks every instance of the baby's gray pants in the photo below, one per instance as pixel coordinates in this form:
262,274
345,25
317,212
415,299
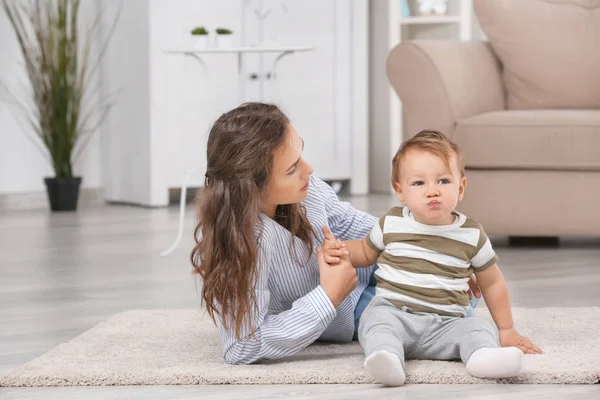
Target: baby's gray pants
417,335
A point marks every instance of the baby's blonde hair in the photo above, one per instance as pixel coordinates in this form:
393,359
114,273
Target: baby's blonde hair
433,142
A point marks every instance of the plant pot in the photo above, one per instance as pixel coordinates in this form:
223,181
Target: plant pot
201,41
224,41
63,193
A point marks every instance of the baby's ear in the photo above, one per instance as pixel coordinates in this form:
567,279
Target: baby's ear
462,187
398,189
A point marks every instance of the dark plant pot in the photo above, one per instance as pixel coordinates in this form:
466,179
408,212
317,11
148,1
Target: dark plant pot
63,193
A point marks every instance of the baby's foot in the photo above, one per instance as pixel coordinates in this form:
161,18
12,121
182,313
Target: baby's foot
502,362
386,368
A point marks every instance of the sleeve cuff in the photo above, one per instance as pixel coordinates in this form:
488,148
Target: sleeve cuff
372,245
323,307
492,261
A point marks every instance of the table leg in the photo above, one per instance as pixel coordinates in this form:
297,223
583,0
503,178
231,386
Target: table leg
182,201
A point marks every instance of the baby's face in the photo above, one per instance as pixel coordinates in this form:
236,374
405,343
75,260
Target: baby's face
429,188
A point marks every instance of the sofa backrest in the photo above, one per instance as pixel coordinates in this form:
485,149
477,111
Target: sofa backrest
549,50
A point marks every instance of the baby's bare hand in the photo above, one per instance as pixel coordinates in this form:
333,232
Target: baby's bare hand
333,249
512,338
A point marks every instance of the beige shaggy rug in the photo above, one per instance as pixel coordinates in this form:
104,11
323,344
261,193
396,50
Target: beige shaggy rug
181,347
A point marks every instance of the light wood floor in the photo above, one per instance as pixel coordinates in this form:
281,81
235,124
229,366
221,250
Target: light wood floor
61,274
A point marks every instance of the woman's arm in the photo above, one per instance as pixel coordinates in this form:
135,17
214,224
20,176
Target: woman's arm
286,333
283,334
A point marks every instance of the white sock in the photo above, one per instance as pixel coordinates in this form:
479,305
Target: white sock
502,362
386,368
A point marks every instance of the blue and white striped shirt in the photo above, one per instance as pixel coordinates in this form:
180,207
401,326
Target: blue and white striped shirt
293,310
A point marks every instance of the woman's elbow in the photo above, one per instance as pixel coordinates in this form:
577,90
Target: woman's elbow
232,357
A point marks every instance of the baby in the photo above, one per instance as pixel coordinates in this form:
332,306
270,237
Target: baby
426,252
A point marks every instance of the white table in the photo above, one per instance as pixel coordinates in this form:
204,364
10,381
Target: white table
240,51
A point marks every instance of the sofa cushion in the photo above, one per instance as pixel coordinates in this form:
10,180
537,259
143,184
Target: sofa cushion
535,139
549,49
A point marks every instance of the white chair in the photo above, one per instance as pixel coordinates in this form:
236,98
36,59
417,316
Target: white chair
186,182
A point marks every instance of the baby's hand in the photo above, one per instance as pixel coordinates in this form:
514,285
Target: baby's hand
512,338
333,249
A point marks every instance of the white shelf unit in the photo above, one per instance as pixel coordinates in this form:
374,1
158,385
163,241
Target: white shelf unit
387,29
443,19
246,49
281,52
165,101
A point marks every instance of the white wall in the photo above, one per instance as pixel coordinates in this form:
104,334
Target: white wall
126,76
22,165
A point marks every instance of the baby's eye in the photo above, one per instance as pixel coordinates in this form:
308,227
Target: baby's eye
444,181
417,183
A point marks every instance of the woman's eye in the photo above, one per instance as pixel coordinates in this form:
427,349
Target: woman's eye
291,172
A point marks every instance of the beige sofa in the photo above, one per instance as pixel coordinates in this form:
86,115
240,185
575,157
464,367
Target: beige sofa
525,109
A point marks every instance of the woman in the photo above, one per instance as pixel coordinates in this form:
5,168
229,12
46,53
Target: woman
265,281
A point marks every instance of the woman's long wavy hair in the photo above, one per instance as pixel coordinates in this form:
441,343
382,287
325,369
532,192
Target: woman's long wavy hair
240,150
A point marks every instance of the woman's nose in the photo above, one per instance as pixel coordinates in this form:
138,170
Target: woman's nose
308,168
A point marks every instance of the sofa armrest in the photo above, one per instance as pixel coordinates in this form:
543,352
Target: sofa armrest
441,82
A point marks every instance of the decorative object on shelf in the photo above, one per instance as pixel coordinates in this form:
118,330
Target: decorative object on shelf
201,35
224,38
404,9
262,13
60,61
432,7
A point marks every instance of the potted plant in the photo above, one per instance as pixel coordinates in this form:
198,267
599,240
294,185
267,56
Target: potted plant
59,68
224,38
201,35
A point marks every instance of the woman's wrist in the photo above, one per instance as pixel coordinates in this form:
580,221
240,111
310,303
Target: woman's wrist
333,295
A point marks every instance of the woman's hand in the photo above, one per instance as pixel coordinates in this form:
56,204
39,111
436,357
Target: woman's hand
338,280
512,338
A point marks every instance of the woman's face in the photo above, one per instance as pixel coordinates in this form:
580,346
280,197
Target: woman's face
288,183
